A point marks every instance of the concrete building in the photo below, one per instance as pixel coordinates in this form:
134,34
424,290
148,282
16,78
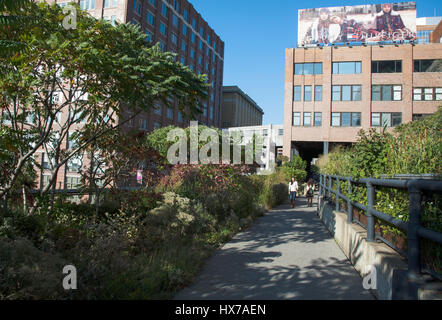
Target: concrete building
333,92
179,28
238,109
272,141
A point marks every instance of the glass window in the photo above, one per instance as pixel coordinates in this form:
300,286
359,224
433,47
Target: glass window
318,93
346,119
433,65
347,67
163,29
396,119
336,93
318,68
428,94
438,94
307,119
307,93
375,119
356,119
386,119
164,9
296,118
356,93
318,119
336,119
174,38
308,68
417,94
175,20
386,93
397,93
346,93
299,68
150,18
376,93
297,93
186,15
387,66
280,132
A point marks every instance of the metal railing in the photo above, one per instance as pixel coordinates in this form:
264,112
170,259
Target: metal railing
413,228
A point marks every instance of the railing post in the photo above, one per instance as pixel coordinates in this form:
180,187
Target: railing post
413,237
349,205
370,218
330,179
337,194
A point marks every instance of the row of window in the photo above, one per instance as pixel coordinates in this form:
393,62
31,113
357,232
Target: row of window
378,93
347,119
175,21
355,67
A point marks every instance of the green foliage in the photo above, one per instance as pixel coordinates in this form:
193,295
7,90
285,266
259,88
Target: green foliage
412,148
296,169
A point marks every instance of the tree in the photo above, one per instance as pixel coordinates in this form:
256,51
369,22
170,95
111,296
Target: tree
74,86
11,20
295,169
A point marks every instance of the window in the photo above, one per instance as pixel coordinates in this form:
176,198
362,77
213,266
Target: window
427,94
137,7
386,93
296,118
175,20
346,119
157,109
336,119
176,5
192,53
308,68
318,119
156,125
183,46
186,15
72,182
201,44
174,39
200,60
87,4
169,113
183,61
164,11
434,65
194,23
386,119
180,116
193,37
211,111
388,66
297,93
307,119
110,3
184,30
307,93
280,132
150,18
143,124
163,29
347,67
162,45
202,32
346,93
318,93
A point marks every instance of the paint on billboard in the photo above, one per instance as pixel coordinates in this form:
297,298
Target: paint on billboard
364,23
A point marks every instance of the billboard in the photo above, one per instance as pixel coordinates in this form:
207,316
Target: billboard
363,23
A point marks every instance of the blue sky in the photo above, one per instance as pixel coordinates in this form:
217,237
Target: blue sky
256,33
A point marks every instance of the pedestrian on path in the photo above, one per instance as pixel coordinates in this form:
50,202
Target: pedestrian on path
293,189
309,192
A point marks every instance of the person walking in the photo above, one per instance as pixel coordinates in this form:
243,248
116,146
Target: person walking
293,189
310,191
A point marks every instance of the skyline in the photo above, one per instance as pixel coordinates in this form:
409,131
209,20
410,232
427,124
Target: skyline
259,69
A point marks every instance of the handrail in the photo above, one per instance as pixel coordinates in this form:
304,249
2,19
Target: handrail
413,228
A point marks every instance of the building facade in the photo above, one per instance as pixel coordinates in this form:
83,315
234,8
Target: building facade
179,28
332,92
425,28
238,109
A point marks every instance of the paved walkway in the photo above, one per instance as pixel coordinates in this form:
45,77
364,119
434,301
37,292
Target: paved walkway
287,254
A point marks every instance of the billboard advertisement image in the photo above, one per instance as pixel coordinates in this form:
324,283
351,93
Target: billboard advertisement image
363,23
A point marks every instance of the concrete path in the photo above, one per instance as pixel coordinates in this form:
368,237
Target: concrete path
286,255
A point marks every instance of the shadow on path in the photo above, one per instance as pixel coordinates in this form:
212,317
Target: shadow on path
287,254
